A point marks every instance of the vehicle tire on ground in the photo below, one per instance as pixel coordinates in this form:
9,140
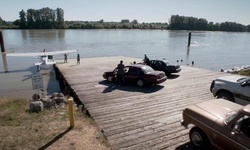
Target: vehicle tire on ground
166,72
110,78
212,86
140,82
198,138
226,95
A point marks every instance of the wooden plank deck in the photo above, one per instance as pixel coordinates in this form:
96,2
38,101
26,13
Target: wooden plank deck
133,117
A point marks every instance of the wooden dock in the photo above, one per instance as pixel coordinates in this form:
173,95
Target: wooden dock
133,117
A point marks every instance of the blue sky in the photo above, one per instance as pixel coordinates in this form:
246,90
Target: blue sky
141,10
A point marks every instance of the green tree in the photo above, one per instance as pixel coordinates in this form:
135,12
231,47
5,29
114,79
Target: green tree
31,18
101,21
60,18
17,22
1,21
23,19
248,28
125,21
45,17
134,22
177,22
216,27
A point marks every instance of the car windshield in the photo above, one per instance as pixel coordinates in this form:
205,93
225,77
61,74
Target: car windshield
230,116
241,80
166,62
147,69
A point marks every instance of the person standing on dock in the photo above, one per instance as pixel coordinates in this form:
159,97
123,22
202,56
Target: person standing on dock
146,60
65,58
78,59
120,73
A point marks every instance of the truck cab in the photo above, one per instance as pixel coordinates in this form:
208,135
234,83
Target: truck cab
234,88
218,123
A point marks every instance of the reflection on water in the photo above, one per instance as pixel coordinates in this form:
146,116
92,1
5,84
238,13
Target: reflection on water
45,35
187,55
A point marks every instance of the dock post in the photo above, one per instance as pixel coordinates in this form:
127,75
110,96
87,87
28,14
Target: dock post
71,112
5,65
189,39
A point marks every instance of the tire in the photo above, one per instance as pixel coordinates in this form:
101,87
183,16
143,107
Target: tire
212,86
140,82
166,72
110,78
198,138
226,95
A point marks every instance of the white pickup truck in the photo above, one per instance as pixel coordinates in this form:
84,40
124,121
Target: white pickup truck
234,88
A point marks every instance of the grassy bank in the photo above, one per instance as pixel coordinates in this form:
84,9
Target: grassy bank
49,129
245,72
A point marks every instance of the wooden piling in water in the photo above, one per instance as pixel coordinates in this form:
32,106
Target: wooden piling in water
189,39
5,65
2,42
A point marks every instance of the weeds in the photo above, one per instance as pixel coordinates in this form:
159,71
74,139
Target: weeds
245,72
20,129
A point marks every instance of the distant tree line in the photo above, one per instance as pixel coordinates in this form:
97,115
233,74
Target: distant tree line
124,24
177,22
47,18
6,25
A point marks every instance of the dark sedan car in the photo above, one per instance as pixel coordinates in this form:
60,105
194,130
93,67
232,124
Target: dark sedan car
164,65
139,74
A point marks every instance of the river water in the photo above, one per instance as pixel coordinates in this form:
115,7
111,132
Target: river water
208,50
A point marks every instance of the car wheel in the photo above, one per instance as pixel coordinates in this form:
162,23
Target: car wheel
212,86
226,95
198,138
110,78
167,73
140,82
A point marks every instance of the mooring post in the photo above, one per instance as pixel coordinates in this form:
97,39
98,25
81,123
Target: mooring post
5,65
2,42
189,39
71,112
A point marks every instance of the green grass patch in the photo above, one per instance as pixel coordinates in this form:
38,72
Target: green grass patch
245,72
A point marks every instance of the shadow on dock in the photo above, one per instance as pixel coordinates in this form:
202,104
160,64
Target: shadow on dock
129,88
173,76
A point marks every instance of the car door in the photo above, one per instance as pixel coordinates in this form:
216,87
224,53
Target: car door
241,132
156,65
231,138
132,74
246,92
242,95
152,63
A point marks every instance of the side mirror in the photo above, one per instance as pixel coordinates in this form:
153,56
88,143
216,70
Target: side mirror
243,84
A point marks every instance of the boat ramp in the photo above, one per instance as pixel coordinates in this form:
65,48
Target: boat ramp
131,117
